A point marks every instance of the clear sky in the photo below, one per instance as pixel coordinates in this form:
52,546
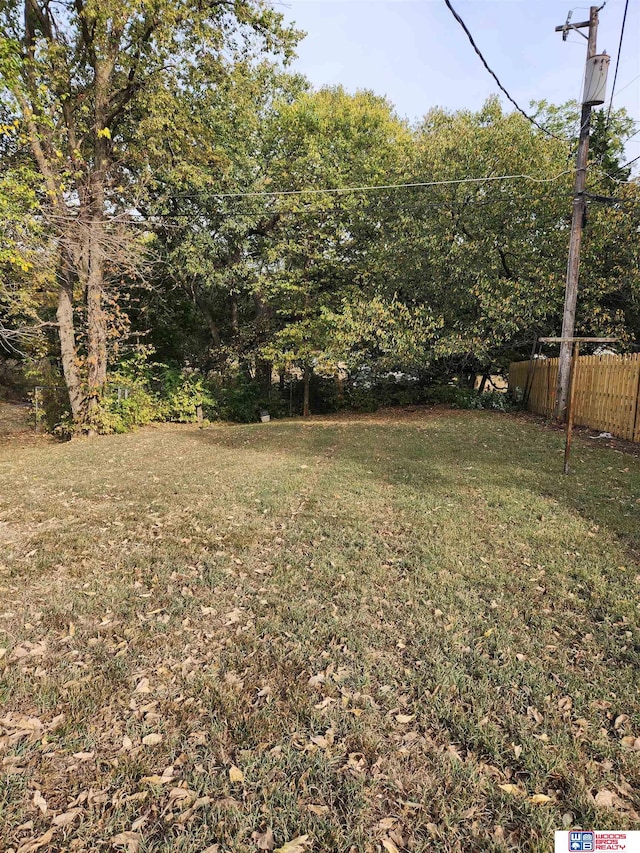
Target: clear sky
415,53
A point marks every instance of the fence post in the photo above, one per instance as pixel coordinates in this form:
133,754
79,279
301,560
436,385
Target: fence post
635,432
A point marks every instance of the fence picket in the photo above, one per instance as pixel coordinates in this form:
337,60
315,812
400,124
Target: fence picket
607,391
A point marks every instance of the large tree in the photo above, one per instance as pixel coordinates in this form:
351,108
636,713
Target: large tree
97,88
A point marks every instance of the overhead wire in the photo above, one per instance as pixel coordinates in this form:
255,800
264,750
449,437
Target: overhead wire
496,78
369,187
615,75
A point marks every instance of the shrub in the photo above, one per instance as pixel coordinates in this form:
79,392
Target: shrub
240,400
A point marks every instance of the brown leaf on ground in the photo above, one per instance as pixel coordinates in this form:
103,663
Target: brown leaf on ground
607,799
67,818
296,845
152,740
130,840
37,843
39,802
264,840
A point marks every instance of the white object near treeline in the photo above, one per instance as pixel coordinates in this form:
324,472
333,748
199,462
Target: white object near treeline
595,80
265,417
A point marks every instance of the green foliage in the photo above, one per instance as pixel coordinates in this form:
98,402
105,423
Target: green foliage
182,394
240,400
468,398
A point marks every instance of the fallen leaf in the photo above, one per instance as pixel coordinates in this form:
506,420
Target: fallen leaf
66,818
40,802
37,843
83,756
157,780
264,840
606,799
152,739
389,846
539,799
130,840
143,686
404,718
319,810
296,845
509,788
235,774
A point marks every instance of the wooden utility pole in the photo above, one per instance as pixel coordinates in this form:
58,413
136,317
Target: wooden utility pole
579,212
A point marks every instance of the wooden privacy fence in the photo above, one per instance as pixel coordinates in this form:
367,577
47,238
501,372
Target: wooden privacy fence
607,391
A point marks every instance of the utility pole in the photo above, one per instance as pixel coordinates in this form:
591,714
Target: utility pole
577,221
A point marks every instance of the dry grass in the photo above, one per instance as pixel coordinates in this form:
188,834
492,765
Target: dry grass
379,631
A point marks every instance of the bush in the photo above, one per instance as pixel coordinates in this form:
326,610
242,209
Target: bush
468,398
240,400
182,394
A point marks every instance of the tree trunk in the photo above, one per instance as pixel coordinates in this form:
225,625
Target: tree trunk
306,411
235,325
264,372
211,323
68,352
96,315
96,323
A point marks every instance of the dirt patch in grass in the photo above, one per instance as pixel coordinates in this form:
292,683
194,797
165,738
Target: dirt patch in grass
400,632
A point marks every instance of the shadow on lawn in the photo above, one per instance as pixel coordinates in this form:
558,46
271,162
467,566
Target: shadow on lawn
453,451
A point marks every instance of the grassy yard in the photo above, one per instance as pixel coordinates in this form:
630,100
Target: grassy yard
404,633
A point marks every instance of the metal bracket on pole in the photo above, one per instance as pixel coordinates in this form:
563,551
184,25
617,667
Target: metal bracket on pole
567,27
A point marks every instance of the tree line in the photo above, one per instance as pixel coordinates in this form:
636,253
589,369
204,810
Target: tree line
173,193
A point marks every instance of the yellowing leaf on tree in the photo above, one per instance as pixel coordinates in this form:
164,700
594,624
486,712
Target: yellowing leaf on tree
296,845
235,774
104,133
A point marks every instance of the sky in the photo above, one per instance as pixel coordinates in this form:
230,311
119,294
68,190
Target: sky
415,53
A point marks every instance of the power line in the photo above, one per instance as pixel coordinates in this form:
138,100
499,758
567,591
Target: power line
495,76
615,76
368,187
626,86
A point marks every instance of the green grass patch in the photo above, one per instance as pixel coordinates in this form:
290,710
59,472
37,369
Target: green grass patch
398,628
